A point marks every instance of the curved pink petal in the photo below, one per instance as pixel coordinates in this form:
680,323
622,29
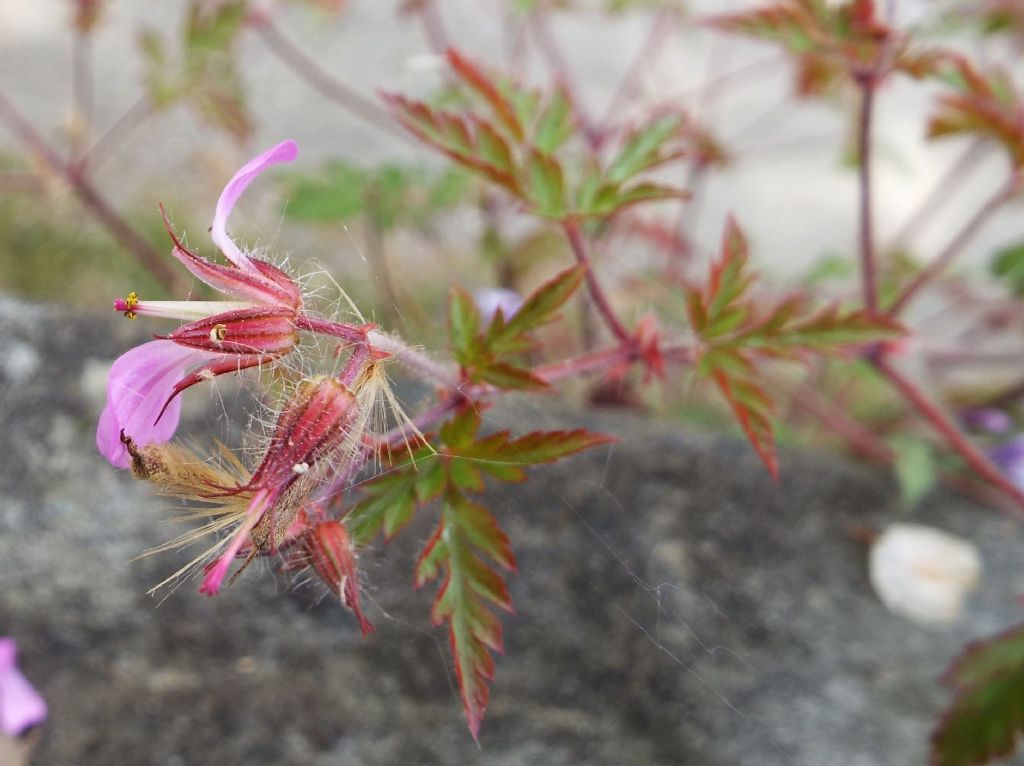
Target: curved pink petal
21,706
286,151
140,382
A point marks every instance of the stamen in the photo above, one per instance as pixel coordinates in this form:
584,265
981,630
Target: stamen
128,304
218,333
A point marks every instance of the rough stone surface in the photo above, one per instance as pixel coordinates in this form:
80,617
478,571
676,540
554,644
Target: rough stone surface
675,607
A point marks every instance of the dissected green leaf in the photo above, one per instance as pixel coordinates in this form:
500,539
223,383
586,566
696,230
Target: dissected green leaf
644,149
736,335
555,124
987,714
463,325
545,185
490,356
482,85
831,41
984,104
510,135
540,307
207,77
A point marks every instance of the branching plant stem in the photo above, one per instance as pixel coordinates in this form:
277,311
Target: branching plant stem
869,277
34,143
579,249
942,423
321,80
974,224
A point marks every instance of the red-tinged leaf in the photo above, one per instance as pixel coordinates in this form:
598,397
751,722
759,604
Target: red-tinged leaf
647,192
493,148
830,42
830,330
430,481
750,404
387,506
716,309
481,529
463,325
986,104
545,185
541,306
451,135
468,585
464,475
549,446
555,123
509,377
644,149
431,557
987,715
475,78
461,429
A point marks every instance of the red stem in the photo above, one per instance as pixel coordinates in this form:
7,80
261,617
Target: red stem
957,244
940,193
869,277
649,50
433,27
118,131
340,330
860,439
321,80
147,255
579,249
942,423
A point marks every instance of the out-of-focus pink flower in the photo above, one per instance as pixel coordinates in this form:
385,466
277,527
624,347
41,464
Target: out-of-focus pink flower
923,573
221,337
987,419
1010,459
21,706
490,300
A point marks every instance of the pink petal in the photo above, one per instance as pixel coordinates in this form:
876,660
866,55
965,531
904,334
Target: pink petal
216,573
21,706
286,151
139,384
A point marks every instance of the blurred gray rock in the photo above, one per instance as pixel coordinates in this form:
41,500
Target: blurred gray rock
675,607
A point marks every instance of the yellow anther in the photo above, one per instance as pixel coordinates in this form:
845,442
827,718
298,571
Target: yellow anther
131,302
218,333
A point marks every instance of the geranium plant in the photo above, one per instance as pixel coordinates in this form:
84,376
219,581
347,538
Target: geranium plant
328,476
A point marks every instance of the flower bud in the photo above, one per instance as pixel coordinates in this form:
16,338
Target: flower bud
327,550
244,331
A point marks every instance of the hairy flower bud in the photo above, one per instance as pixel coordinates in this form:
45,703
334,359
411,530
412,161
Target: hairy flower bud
327,550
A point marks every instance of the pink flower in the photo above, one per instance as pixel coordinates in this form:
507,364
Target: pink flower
21,706
222,336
